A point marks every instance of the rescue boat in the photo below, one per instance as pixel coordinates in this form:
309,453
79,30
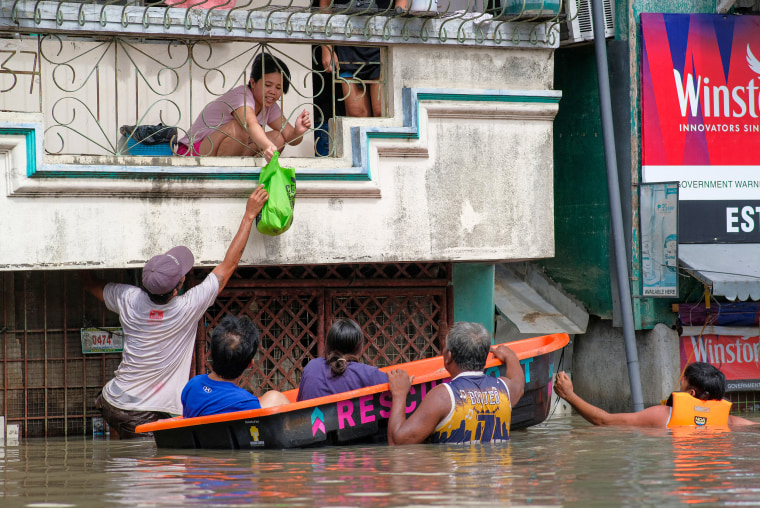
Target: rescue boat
358,416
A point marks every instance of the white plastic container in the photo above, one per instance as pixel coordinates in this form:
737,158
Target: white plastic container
424,6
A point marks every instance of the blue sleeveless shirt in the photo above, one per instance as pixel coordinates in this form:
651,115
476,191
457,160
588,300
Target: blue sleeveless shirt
480,411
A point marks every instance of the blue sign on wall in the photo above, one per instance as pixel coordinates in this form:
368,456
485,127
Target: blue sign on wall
658,205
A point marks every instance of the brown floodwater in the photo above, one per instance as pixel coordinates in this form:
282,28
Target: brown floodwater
564,462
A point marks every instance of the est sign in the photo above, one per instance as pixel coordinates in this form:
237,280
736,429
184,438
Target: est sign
102,340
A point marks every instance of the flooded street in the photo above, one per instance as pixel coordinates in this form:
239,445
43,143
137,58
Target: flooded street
565,462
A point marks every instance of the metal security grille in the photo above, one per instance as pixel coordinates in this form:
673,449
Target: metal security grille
399,327
401,323
290,322
744,402
378,275
49,386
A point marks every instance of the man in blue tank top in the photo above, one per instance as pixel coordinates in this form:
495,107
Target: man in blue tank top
473,407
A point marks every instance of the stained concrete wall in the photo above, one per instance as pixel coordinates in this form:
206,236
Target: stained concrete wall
600,369
476,185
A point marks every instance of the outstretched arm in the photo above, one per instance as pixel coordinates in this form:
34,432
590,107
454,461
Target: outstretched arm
514,377
92,285
225,269
433,408
257,134
655,416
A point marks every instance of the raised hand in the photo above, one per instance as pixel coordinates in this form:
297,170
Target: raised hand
303,123
256,201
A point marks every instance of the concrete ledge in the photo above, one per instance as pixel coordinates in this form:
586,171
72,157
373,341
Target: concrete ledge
600,371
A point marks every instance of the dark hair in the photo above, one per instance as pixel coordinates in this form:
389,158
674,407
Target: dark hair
264,63
343,344
469,344
164,299
707,381
233,345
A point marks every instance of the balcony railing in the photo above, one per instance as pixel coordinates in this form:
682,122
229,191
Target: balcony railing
91,68
88,88
464,21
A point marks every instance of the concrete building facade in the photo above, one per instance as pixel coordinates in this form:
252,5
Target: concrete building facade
401,227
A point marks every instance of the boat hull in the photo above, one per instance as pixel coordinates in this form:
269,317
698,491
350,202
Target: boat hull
356,417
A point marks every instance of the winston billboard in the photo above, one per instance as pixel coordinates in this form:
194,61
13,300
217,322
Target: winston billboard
700,107
737,356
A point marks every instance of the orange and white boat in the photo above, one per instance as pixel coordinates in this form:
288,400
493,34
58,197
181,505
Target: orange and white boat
359,416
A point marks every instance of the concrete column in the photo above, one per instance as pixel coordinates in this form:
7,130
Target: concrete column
473,293
599,365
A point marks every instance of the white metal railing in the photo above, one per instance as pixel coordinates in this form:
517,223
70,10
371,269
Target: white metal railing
92,67
435,21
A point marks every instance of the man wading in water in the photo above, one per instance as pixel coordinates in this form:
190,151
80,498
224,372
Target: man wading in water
473,407
700,402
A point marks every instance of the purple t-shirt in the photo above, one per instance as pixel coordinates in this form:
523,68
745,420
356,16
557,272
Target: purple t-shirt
219,112
318,380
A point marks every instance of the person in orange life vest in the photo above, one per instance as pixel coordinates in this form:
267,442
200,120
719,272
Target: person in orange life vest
700,402
472,407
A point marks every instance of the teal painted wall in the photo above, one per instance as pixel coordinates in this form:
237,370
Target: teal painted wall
672,6
473,293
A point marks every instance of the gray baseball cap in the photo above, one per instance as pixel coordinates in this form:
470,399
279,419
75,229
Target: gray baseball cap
163,272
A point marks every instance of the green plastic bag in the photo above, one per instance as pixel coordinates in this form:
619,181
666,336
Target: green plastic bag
277,214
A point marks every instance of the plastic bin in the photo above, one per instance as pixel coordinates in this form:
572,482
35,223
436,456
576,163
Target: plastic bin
524,8
322,138
146,150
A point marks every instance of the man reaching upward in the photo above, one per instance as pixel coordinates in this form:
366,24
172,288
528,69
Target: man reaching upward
159,329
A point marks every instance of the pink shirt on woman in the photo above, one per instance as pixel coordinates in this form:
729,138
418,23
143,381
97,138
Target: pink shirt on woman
219,113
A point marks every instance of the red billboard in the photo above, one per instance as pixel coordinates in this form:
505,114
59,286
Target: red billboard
737,356
700,109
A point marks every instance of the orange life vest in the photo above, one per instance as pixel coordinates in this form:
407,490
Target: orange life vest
688,410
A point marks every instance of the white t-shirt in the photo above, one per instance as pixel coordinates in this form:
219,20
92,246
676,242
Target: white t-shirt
158,345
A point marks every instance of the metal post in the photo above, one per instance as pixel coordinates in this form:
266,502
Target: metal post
616,213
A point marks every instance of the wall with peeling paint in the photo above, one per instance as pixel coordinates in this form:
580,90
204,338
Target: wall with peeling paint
475,184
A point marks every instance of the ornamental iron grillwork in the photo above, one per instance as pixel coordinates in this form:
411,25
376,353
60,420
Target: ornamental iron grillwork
87,89
150,64
400,324
516,22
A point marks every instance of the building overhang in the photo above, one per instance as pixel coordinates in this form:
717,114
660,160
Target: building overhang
729,270
533,303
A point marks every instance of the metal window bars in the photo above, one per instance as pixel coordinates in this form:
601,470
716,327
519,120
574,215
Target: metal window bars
92,67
